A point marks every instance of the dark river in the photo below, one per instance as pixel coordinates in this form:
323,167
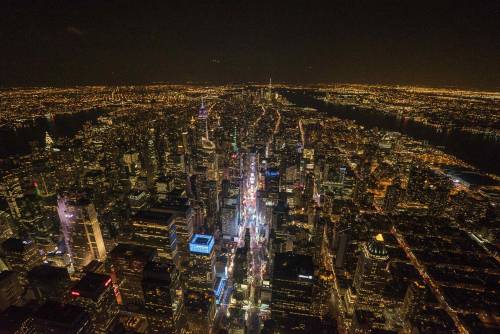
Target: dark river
16,140
479,151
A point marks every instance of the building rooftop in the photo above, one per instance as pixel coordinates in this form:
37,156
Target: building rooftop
160,272
133,252
91,285
156,216
62,315
48,273
201,243
15,245
13,318
7,274
293,266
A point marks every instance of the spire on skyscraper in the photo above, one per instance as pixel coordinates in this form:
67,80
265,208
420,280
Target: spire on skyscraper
48,141
202,113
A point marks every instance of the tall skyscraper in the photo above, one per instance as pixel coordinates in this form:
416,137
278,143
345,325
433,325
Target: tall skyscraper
156,228
96,294
183,217
200,283
371,273
49,283
81,230
413,301
5,228
393,196
10,289
10,189
128,263
21,256
163,298
292,291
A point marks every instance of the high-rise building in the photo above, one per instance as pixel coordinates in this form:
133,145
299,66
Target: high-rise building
49,283
200,283
393,196
413,301
56,318
371,273
10,189
16,320
183,216
10,289
292,291
21,256
156,228
95,293
416,183
128,261
81,230
163,298
5,228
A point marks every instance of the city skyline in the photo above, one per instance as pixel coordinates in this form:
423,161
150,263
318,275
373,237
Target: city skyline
204,168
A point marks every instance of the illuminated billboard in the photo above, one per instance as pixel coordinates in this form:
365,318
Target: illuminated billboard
201,244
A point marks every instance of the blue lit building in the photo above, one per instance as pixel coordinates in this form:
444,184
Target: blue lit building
200,283
201,244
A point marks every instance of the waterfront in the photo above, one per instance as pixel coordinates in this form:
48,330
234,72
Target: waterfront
16,139
479,151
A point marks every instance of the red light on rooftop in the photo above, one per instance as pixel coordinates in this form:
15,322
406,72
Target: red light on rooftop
75,293
108,282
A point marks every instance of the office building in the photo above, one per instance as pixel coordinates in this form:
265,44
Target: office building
163,298
292,290
200,283
11,290
81,230
128,262
183,219
49,283
96,294
21,256
57,318
156,229
371,273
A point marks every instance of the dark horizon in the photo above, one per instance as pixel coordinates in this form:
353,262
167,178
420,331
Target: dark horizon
87,43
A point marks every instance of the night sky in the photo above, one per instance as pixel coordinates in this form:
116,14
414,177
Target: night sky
69,42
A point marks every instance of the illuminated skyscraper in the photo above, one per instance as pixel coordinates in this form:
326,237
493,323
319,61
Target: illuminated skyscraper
201,262
10,189
163,298
5,228
156,228
96,294
371,273
202,125
81,230
200,298
183,217
292,290
21,256
49,142
128,262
